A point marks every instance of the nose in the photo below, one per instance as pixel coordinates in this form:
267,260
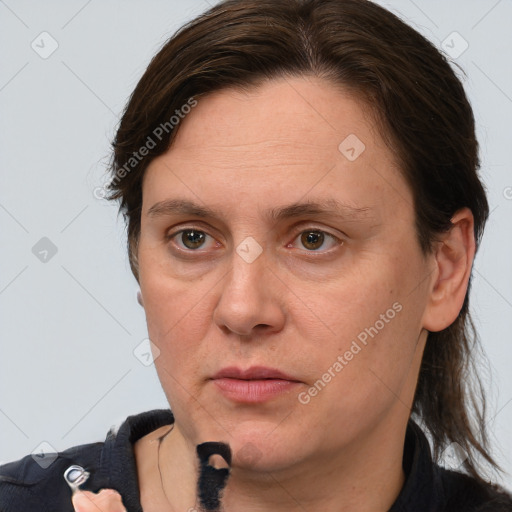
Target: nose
251,301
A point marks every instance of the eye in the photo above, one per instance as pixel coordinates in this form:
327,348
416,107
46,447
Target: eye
314,239
191,238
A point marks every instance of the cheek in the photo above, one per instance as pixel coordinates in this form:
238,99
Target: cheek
178,322
355,300
373,318
167,301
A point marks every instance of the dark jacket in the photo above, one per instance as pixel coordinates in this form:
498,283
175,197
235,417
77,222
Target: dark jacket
26,487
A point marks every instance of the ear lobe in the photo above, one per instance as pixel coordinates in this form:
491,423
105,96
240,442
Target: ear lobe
453,259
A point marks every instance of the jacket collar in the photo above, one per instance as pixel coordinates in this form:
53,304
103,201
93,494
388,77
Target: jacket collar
422,490
118,468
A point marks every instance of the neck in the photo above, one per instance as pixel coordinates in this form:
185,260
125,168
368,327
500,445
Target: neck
368,476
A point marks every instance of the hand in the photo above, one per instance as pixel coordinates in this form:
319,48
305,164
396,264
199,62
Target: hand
107,500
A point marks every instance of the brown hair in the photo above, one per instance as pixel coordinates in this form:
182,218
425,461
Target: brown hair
413,91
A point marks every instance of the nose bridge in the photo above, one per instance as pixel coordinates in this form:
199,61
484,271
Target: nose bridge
246,300
248,264
249,250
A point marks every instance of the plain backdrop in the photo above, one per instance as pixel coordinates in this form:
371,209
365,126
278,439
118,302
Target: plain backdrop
69,321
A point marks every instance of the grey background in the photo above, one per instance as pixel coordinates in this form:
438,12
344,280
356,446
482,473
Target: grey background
69,325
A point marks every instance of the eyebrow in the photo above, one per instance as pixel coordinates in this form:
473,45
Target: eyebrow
326,206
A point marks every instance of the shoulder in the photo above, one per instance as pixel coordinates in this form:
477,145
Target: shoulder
36,482
433,488
463,492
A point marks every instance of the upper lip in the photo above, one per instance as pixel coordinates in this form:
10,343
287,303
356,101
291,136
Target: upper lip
252,373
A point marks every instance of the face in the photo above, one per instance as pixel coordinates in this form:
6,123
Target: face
300,256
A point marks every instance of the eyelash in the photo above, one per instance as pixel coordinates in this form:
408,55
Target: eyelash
169,237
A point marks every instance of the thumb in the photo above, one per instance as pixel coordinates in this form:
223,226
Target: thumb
107,500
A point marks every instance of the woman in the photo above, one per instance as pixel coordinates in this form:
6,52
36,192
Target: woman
299,180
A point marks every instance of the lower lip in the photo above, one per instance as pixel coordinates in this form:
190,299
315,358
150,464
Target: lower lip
251,391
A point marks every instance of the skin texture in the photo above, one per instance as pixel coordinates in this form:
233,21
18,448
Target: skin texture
107,500
296,307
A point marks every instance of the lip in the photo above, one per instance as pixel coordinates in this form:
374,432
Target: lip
253,385
253,373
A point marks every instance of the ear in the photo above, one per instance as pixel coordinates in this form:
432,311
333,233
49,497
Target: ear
453,260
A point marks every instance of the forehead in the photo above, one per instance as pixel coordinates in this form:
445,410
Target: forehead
283,111
289,138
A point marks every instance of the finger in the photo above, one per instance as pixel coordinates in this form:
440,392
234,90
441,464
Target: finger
107,500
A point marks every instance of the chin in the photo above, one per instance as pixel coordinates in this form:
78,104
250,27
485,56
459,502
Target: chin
261,451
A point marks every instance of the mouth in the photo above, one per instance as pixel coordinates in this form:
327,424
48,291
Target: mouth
253,385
